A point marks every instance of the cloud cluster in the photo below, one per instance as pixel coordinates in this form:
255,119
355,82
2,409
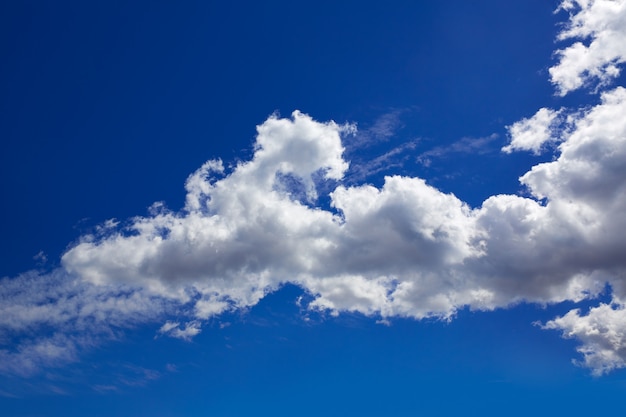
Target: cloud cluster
602,332
599,26
397,250
404,249
589,182
588,178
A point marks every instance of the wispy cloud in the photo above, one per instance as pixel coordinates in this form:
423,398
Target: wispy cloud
384,127
468,145
394,158
47,320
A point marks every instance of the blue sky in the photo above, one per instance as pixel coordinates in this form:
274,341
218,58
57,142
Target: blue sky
335,208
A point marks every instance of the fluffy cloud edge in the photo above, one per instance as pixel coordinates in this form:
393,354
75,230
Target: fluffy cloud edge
599,28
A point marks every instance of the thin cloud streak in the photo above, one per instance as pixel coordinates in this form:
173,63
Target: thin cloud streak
468,145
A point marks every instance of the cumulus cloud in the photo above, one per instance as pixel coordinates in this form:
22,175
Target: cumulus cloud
533,133
599,26
602,332
241,236
589,183
575,235
403,249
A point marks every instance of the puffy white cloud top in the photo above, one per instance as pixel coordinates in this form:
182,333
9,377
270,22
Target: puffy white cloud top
599,26
533,133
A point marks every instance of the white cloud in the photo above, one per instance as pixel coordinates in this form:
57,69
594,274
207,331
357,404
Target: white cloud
533,133
168,326
240,236
599,26
187,332
404,249
576,235
590,168
602,332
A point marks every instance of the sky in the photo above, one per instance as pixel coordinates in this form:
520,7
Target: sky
326,208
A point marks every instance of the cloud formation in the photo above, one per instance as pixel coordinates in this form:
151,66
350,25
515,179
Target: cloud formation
468,145
599,26
533,133
405,249
47,320
602,333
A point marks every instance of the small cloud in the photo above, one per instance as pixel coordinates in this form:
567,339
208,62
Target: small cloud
107,226
533,133
602,333
187,332
168,326
41,258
